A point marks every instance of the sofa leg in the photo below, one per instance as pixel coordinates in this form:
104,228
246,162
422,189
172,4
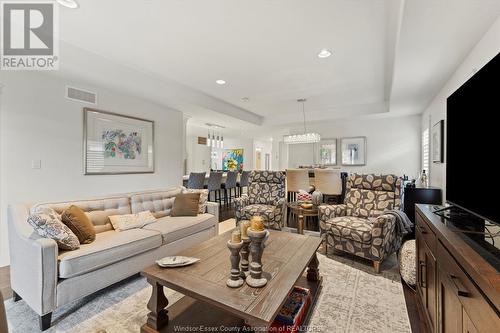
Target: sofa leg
16,296
376,266
45,321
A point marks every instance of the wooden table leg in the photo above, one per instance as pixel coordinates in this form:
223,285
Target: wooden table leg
158,317
313,269
300,224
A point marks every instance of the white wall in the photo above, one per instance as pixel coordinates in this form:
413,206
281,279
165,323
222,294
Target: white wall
481,54
393,144
37,122
265,147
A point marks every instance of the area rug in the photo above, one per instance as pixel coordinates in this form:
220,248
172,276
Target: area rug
353,299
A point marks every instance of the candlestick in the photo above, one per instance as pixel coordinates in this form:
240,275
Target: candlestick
256,223
236,236
255,279
244,226
235,280
244,257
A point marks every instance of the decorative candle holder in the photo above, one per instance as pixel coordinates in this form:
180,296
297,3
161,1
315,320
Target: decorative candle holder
244,257
235,280
255,279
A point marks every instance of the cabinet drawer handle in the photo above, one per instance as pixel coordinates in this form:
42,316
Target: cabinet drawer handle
461,290
422,274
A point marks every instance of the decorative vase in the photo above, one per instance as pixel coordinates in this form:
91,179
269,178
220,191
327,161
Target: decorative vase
317,198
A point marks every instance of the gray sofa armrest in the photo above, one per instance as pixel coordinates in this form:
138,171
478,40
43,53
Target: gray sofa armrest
33,262
213,208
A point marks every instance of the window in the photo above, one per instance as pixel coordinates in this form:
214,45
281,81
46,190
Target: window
425,150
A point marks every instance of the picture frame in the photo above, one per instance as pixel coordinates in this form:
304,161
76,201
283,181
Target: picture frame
353,150
117,144
328,151
437,137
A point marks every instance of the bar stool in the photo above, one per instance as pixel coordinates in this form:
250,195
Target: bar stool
196,180
214,186
328,182
230,184
243,182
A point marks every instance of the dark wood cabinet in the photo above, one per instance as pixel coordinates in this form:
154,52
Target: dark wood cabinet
426,276
456,288
450,308
420,195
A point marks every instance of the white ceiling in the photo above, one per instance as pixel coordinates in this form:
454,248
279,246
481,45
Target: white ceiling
388,55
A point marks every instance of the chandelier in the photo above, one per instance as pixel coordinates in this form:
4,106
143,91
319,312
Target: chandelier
305,137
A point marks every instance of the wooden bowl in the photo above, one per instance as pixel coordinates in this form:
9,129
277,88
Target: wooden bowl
306,205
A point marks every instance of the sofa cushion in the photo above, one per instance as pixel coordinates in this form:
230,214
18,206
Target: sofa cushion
47,223
351,227
368,203
186,204
109,247
98,210
76,219
159,202
175,228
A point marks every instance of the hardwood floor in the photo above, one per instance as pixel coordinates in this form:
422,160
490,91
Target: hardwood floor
5,282
415,314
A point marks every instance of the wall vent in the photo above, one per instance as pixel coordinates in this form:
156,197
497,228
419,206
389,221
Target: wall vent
80,95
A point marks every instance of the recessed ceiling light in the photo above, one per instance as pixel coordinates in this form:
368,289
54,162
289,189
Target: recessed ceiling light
220,82
68,3
324,53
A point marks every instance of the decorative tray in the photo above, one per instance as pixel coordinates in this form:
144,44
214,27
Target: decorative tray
176,261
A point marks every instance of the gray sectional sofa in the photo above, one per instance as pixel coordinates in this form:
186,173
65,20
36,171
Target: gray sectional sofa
47,278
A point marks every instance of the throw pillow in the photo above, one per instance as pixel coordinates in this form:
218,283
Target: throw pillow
304,196
159,215
186,204
76,219
131,221
203,198
48,225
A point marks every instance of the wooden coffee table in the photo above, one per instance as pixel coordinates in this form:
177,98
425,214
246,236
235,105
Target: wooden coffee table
208,302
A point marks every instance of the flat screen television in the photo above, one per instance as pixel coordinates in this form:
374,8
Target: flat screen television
473,144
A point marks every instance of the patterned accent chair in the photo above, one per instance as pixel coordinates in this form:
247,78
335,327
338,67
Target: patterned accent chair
360,226
266,197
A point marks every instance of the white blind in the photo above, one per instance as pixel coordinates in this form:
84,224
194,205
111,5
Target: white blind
425,150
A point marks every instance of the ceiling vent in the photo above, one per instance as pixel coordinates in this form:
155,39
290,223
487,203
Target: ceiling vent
80,95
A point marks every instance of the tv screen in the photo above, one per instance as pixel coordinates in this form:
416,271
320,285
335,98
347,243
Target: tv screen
472,143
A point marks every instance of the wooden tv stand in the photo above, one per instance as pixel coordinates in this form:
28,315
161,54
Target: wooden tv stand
457,289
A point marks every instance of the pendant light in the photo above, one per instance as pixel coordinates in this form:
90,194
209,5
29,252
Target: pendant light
305,137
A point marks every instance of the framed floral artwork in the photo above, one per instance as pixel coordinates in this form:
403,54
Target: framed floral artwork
117,144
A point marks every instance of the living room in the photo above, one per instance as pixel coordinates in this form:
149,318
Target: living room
276,166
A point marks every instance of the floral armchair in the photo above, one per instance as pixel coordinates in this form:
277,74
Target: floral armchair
266,197
361,225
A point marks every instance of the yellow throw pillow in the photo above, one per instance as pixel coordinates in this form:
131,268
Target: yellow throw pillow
76,219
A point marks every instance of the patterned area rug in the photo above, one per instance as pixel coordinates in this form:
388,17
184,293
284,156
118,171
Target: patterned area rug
353,299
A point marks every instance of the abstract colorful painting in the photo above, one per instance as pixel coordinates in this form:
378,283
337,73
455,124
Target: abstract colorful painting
116,144
120,144
232,160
